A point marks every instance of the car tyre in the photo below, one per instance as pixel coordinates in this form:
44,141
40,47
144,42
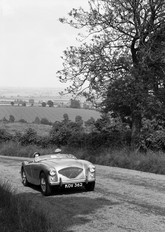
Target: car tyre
45,187
24,178
90,186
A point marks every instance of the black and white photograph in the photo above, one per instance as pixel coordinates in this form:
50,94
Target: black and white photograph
82,115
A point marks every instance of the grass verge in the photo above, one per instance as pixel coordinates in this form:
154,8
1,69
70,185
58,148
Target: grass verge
16,214
153,162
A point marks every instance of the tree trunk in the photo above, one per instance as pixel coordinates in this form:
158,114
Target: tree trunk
135,130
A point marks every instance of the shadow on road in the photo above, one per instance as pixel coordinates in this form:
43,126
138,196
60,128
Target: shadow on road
59,191
68,209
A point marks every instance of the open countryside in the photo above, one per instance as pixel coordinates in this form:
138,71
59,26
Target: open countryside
51,113
18,127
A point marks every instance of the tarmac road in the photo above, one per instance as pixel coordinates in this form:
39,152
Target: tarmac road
123,200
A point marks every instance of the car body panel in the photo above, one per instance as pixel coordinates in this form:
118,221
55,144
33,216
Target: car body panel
67,169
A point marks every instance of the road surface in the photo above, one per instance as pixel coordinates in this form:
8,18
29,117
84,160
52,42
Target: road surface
123,200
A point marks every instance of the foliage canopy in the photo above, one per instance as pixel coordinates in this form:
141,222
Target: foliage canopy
121,60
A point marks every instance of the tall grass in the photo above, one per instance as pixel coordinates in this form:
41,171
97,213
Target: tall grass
11,148
153,162
16,214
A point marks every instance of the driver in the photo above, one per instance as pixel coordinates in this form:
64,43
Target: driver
57,151
36,156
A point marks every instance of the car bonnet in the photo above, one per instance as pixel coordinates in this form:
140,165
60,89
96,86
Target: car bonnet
62,163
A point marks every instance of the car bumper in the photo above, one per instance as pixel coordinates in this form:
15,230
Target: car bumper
63,182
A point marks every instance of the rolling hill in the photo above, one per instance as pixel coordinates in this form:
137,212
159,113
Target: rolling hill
51,113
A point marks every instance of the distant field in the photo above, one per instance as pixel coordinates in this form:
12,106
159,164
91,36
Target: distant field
52,114
12,128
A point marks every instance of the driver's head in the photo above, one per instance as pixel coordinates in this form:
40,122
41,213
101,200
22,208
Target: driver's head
58,150
36,154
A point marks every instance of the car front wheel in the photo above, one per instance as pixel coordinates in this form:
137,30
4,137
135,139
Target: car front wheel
90,186
24,178
45,187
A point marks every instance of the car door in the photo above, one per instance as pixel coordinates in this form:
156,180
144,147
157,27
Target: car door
35,172
28,172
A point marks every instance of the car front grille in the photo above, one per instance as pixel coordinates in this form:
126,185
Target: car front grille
70,172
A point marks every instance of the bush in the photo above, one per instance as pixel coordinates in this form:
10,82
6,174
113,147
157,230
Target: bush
45,121
77,140
62,132
60,137
5,136
43,141
43,104
11,118
156,140
29,137
37,120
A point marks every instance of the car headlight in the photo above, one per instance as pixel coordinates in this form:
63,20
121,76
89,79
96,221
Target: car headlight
91,168
52,172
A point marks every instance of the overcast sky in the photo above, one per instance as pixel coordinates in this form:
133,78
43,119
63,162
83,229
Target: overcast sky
32,40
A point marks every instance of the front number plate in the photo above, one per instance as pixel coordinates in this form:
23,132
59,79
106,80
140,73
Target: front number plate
75,185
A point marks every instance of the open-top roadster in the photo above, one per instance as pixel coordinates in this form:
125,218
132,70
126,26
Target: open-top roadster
62,170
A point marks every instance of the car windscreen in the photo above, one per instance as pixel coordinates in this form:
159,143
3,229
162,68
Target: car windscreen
56,156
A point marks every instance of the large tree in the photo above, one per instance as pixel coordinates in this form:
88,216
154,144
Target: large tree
122,60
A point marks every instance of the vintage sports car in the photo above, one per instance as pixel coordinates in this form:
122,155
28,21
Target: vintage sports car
58,170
